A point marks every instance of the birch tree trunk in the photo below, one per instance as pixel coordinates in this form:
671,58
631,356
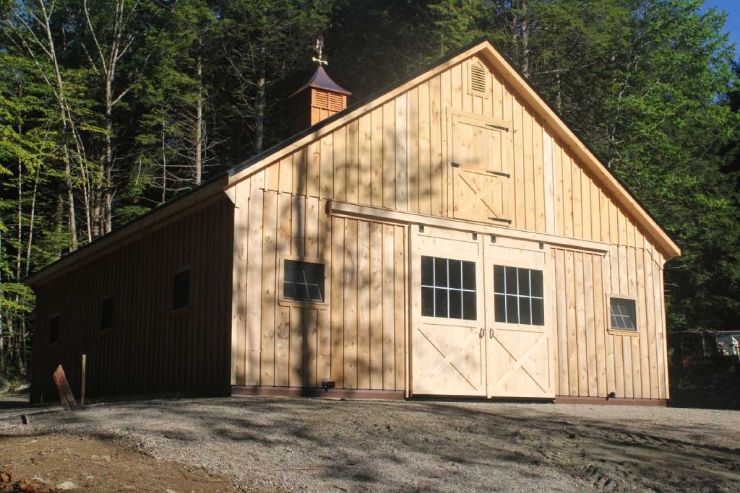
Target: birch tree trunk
259,111
198,157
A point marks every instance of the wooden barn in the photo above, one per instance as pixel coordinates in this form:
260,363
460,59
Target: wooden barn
448,237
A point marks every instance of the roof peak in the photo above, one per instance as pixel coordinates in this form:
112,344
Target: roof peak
321,80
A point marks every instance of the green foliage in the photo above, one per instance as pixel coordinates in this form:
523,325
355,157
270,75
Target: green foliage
648,84
455,22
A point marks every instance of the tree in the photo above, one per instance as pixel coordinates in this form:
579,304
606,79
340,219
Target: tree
262,44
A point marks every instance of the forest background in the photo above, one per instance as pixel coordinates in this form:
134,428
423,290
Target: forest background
109,108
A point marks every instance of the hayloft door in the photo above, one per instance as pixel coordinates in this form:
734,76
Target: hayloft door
448,333
479,170
517,332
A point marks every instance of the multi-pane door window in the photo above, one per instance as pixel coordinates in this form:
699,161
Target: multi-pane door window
448,288
518,295
303,281
623,314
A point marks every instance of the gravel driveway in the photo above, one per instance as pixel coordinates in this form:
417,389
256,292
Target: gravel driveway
280,443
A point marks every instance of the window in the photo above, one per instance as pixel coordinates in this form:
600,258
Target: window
448,288
181,290
518,295
623,314
107,313
54,329
303,281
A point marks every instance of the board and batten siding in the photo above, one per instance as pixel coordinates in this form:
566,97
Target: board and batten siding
357,337
150,349
396,155
592,360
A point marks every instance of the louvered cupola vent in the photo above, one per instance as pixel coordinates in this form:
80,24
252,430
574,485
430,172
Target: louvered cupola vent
478,81
319,98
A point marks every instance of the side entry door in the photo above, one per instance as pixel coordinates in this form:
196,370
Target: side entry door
448,351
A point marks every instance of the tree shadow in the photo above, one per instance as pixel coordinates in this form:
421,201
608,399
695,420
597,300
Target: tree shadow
392,445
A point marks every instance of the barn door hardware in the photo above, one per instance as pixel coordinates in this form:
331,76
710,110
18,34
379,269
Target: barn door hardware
498,173
497,126
494,218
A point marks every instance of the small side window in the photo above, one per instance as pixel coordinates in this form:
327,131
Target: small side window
181,290
622,314
303,281
107,313
54,329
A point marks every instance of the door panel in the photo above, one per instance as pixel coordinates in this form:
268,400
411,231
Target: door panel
448,360
481,357
447,354
518,354
518,366
480,175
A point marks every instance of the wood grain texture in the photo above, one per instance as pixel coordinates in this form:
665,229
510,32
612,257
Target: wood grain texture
395,155
162,351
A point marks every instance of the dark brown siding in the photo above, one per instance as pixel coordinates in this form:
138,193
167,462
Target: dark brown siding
151,349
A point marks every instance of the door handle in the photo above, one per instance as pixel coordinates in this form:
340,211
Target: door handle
490,333
482,333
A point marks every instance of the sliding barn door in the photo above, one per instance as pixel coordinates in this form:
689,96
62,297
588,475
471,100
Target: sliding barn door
447,343
518,325
480,170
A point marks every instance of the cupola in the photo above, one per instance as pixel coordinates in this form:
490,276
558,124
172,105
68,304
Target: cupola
317,99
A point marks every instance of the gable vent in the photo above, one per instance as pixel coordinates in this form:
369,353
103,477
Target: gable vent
477,79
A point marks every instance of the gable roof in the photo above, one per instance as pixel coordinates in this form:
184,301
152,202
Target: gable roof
483,48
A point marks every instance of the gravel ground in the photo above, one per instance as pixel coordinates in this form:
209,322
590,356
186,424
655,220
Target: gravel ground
300,444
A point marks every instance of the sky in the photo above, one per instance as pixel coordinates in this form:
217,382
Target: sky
732,7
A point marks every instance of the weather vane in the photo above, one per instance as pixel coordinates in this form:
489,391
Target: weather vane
318,47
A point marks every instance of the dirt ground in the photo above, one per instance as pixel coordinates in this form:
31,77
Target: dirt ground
99,465
299,444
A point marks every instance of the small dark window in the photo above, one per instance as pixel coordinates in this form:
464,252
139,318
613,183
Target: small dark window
107,313
623,314
448,288
518,295
54,329
303,281
181,290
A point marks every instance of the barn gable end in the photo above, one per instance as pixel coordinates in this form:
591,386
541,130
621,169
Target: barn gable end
349,193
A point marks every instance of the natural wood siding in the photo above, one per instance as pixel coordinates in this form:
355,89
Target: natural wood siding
592,360
397,156
356,338
150,349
